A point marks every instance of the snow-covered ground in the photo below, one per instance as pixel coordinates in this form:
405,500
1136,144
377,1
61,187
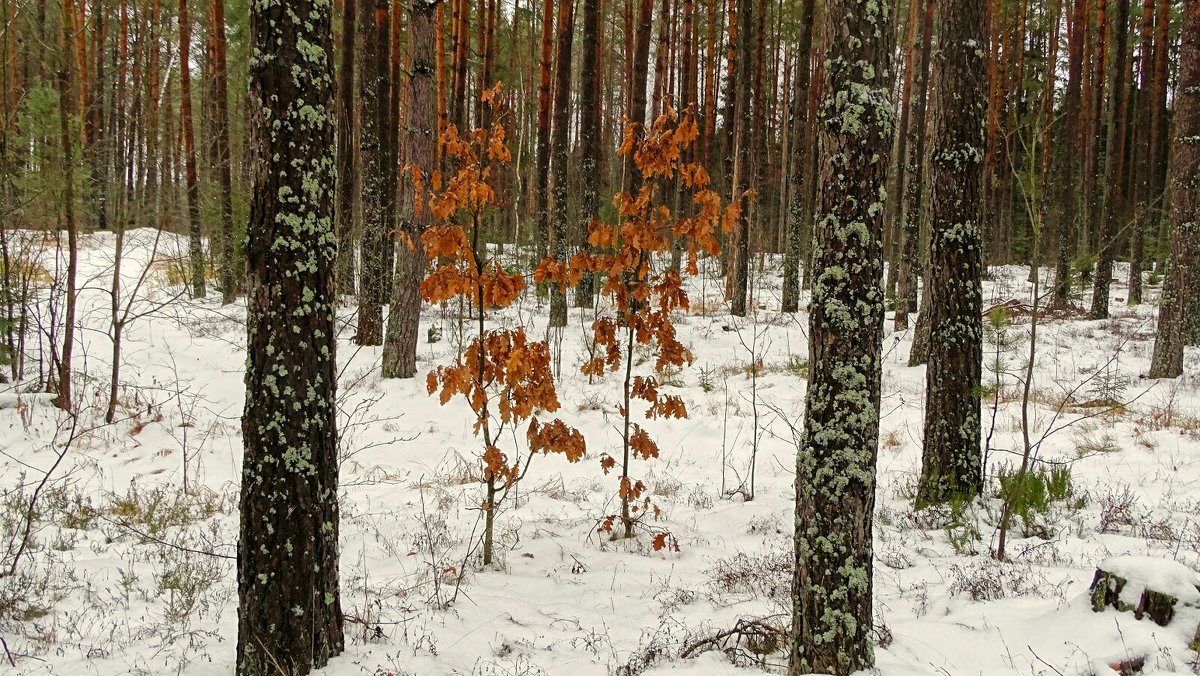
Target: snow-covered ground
131,567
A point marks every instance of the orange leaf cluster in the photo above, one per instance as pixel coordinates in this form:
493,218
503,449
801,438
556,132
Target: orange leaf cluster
504,377
556,437
495,466
665,540
507,363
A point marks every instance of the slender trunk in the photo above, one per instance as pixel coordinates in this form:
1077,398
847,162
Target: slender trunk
560,153
1065,176
591,160
544,103
637,85
347,168
892,235
66,112
913,209
743,167
462,28
195,240
221,159
379,183
1114,170
1158,123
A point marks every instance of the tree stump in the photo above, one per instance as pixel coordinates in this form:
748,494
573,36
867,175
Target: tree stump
1145,586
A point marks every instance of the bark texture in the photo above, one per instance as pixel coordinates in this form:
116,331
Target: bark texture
400,348
1180,306
289,612
952,461
379,175
835,469
1114,166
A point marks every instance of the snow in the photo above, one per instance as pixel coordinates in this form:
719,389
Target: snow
96,597
1155,573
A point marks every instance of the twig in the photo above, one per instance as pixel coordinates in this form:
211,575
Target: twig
1039,659
140,533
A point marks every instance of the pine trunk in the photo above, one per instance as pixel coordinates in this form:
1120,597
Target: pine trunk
743,166
347,168
912,211
1065,176
221,152
560,153
289,612
1177,313
66,110
835,470
952,461
400,348
591,160
544,111
1114,169
379,184
1141,175
195,240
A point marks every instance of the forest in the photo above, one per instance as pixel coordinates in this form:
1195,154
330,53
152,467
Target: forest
404,337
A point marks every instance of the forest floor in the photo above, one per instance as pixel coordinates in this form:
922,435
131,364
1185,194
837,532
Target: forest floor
131,569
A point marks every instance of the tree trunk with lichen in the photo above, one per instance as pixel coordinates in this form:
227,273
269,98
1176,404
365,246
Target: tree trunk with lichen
835,468
1177,313
289,611
799,215
346,166
952,462
912,210
379,175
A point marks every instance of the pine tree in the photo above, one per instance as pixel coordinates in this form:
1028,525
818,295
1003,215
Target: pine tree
913,208
1114,166
560,153
195,241
220,148
1066,158
400,346
1177,314
347,168
289,612
952,461
379,175
66,108
799,214
591,157
835,469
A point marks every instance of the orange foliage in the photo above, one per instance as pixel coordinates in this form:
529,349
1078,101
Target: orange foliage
643,295
504,377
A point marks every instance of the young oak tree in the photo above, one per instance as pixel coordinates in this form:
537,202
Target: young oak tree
505,377
644,294
289,612
835,469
